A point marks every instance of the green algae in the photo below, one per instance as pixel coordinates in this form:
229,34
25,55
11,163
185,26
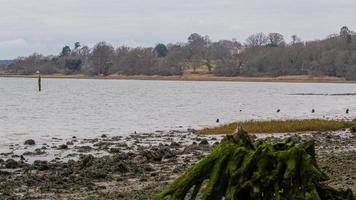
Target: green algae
239,168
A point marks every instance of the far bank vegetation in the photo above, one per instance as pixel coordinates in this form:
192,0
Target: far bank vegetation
259,55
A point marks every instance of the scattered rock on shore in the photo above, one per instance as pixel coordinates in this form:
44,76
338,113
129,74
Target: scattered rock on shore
30,142
119,166
11,164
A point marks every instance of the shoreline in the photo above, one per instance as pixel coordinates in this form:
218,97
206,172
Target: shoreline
138,166
194,77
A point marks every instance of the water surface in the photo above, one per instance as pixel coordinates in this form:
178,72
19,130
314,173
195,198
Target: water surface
88,108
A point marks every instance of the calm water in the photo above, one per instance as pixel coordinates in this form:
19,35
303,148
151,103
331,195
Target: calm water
87,108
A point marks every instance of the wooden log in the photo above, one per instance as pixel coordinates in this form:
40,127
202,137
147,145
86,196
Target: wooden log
39,81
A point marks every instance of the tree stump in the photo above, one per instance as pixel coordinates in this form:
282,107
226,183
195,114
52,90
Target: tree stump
240,169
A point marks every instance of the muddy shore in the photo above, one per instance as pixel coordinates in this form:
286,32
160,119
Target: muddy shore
194,77
139,165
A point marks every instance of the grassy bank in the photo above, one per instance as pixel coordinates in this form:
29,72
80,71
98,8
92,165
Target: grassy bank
281,126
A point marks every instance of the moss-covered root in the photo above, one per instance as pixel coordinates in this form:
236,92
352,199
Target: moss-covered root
241,169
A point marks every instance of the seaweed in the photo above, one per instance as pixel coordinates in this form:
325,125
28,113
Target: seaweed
239,168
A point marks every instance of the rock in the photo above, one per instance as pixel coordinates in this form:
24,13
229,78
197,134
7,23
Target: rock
140,159
153,155
253,137
296,138
148,168
30,142
114,150
158,154
63,146
86,160
103,145
143,179
131,154
71,155
174,144
35,153
84,149
197,139
204,142
40,165
120,156
7,154
104,136
168,153
176,170
11,164
116,138
215,144
123,144
120,167
190,130
5,173
353,129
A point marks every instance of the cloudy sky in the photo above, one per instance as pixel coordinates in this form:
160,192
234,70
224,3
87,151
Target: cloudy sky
45,26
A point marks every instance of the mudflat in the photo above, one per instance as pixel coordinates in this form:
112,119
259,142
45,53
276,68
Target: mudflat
138,166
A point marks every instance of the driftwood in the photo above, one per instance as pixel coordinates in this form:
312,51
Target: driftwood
240,169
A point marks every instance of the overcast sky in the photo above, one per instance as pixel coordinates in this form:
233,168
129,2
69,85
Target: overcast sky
45,26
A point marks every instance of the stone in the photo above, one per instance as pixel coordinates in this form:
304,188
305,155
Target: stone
30,142
11,164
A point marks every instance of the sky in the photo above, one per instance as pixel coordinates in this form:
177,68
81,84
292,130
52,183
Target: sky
45,26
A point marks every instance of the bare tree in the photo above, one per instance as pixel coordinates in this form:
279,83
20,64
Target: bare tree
346,34
275,39
84,51
102,58
345,31
199,51
331,56
257,39
296,39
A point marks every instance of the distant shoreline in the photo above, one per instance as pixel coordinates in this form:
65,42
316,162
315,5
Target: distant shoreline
195,77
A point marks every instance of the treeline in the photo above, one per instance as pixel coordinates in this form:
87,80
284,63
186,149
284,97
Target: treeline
260,55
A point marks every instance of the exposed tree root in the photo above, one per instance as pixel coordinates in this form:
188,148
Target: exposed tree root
239,169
